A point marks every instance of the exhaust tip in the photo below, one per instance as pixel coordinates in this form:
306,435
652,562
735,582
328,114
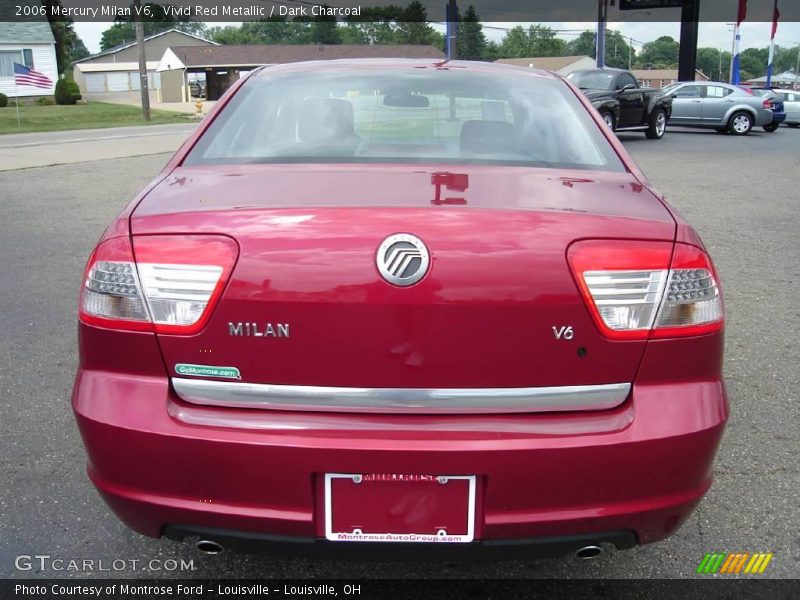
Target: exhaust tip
589,552
208,547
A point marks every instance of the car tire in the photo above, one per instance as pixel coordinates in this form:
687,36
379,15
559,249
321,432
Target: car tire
657,125
740,124
771,128
609,119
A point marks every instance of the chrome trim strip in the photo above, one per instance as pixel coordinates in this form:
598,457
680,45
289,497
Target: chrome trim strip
400,400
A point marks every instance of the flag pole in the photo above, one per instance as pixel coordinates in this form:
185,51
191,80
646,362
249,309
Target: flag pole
775,16
16,97
737,37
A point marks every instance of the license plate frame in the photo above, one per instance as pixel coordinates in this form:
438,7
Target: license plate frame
467,485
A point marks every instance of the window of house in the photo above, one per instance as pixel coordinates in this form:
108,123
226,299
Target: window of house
27,57
7,60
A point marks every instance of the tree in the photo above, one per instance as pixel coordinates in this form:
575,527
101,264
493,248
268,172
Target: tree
714,63
515,43
324,30
619,53
274,30
583,45
155,21
538,40
492,51
413,27
753,63
78,49
661,53
470,43
785,59
62,32
375,25
230,34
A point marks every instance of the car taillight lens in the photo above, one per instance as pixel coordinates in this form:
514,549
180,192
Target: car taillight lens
767,104
172,285
637,290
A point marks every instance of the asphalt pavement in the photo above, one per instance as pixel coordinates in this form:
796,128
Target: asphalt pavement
741,195
26,150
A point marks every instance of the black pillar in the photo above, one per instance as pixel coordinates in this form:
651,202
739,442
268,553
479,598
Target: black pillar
687,60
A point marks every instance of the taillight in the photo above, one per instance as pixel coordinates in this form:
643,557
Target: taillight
637,290
767,103
172,285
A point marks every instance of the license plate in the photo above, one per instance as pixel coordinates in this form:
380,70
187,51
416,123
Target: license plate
399,508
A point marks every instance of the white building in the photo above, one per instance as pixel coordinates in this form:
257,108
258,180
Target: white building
29,44
787,80
116,70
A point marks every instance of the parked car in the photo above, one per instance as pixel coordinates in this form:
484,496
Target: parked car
720,106
791,105
776,105
425,311
197,89
622,104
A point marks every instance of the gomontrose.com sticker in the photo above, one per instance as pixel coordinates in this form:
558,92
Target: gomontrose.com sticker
207,371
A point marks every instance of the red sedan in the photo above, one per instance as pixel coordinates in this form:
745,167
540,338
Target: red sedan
401,307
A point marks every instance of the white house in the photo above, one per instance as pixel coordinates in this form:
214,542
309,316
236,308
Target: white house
29,44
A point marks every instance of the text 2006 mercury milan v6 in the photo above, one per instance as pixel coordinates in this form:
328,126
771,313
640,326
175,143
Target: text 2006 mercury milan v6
403,307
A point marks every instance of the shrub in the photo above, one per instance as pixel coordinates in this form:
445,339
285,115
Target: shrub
3,100
45,101
67,91
75,89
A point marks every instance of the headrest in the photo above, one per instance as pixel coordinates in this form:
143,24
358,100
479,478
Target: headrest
486,137
324,119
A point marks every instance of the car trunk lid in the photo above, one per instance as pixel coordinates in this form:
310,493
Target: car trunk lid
307,306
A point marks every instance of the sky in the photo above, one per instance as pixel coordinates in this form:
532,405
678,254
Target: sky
716,35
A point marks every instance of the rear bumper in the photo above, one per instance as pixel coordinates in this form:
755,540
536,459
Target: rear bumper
507,549
763,116
167,466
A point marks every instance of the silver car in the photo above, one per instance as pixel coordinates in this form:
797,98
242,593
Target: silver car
791,104
718,106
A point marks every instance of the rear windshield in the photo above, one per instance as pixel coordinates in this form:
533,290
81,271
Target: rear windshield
400,116
592,80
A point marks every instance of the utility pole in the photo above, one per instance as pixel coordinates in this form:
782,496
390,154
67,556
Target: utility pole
733,51
797,68
630,53
139,28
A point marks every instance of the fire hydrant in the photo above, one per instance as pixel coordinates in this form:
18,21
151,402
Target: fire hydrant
198,109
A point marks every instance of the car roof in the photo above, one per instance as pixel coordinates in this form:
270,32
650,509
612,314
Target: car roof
401,63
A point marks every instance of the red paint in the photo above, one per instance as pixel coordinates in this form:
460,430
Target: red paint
499,281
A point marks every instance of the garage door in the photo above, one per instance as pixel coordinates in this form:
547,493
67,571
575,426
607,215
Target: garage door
118,82
95,83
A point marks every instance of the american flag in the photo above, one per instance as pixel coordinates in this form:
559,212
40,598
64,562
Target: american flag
25,76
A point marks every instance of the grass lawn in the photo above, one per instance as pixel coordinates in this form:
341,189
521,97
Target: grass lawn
81,116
